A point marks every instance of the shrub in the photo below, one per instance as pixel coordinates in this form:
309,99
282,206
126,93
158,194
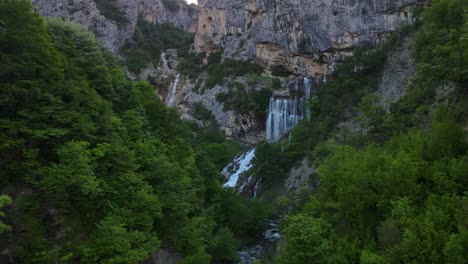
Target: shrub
149,40
217,72
110,10
173,5
279,70
202,113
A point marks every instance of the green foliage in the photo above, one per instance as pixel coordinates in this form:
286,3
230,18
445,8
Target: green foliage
371,112
173,5
114,242
217,72
219,150
202,113
223,248
149,40
306,238
244,102
245,218
441,44
279,70
369,193
215,58
190,64
4,201
73,174
114,174
396,194
111,10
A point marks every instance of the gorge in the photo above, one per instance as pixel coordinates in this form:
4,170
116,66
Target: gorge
233,131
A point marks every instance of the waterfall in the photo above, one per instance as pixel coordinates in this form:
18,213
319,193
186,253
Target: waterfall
238,166
171,99
285,113
307,94
164,63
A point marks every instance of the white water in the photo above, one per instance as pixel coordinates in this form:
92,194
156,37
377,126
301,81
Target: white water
171,100
238,166
164,63
285,113
250,254
308,93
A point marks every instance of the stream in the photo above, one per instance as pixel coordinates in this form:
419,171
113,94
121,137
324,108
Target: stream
249,254
284,113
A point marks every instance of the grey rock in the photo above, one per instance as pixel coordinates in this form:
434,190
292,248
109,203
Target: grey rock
399,68
112,35
299,178
307,37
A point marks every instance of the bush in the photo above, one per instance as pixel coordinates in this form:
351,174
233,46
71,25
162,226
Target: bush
149,40
173,5
190,64
218,72
110,10
239,100
224,247
279,70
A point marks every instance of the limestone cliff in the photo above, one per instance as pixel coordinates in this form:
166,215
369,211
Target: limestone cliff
114,21
305,37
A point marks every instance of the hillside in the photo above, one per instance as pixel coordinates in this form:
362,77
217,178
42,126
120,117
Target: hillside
255,131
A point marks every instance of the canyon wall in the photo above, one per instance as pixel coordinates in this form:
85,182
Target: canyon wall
305,37
114,21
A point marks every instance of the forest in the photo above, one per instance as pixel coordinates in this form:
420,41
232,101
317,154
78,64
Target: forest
94,168
101,170
397,193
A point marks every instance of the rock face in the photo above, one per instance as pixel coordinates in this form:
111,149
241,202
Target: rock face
118,24
305,37
231,123
398,71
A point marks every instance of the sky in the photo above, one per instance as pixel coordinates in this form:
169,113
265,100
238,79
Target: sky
191,1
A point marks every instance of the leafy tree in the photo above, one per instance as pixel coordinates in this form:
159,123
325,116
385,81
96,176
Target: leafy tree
114,242
306,240
4,200
224,247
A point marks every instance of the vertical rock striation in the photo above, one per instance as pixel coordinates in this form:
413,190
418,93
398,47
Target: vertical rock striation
117,25
305,37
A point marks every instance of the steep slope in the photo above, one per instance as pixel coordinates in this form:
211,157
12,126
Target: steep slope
114,21
305,37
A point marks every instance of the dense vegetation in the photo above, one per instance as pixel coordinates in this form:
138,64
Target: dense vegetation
111,10
99,169
95,168
173,5
149,40
396,191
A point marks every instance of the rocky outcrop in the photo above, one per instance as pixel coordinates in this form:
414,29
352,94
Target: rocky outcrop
398,70
397,74
187,93
243,127
300,179
115,25
306,37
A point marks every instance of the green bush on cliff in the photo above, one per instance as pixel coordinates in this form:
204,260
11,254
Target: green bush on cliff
111,10
173,5
217,72
149,40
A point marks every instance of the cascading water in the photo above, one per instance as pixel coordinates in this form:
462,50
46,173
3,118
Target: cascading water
164,63
238,166
171,99
285,113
